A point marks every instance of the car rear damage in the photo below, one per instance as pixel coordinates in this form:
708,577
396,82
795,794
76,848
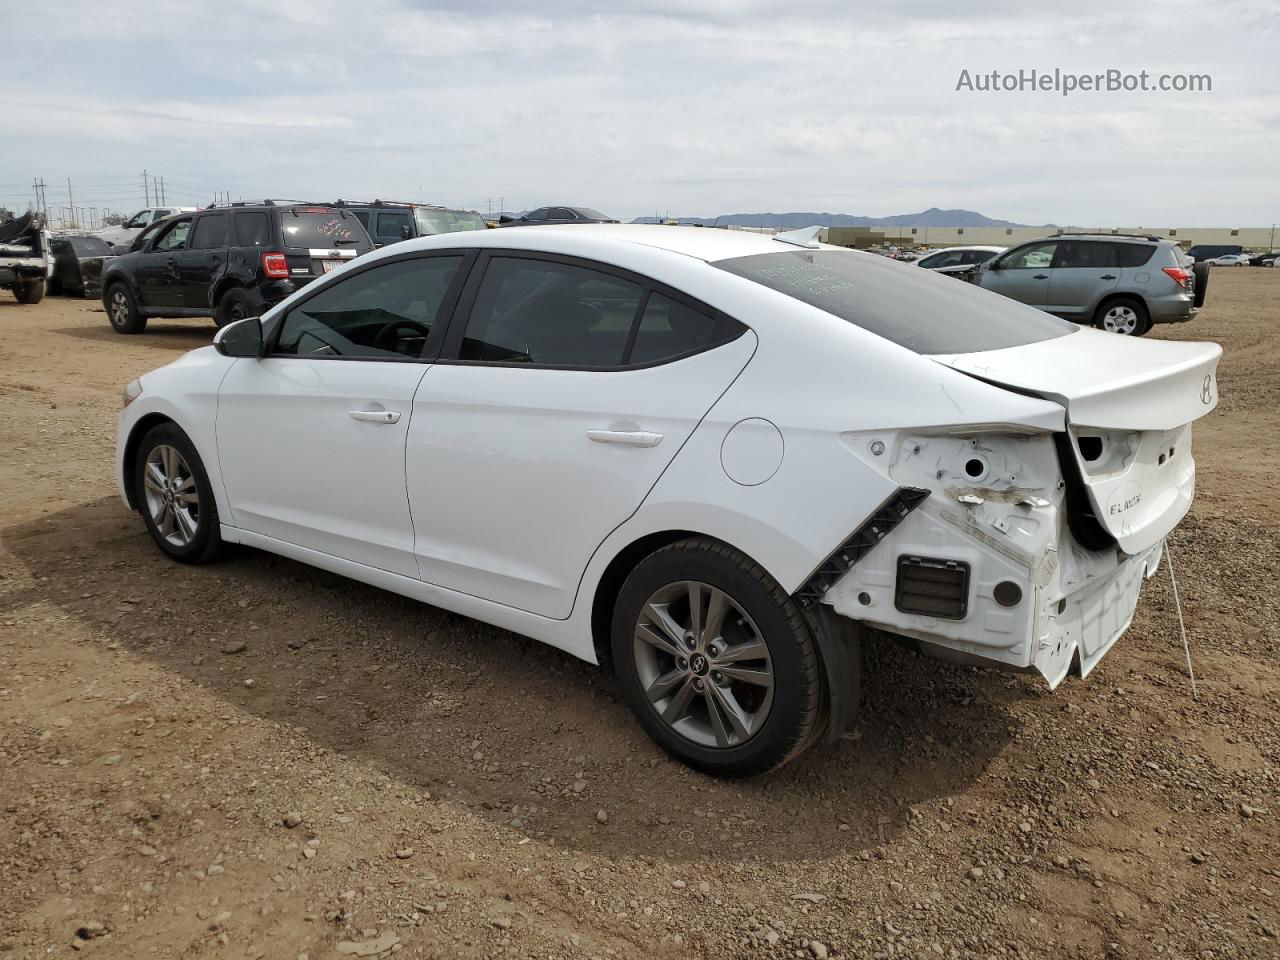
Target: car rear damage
1025,547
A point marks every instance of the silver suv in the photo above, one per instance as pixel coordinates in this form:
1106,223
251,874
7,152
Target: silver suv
1121,283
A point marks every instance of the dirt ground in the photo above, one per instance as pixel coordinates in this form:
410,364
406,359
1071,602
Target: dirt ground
457,791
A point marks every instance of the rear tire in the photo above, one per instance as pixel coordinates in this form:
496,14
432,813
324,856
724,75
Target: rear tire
735,689
235,305
1123,315
1201,272
174,496
29,291
122,310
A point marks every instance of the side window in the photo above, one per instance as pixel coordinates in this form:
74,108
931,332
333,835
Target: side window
669,329
363,217
947,259
539,214
1038,256
1133,254
385,313
210,232
391,223
974,257
174,237
140,219
561,213
550,314
251,229
161,214
1085,254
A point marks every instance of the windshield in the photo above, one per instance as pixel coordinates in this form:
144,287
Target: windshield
312,227
592,214
914,308
446,221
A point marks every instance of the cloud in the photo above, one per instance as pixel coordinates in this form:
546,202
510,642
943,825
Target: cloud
697,108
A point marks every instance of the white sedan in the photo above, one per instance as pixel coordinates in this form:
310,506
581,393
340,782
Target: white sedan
1230,260
708,457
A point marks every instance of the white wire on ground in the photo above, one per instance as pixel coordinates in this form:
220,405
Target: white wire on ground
1182,627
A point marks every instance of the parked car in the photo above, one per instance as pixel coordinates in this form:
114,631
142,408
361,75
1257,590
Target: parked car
1122,284
545,215
25,262
78,262
228,262
1207,251
1264,259
393,222
121,237
707,456
1230,260
960,262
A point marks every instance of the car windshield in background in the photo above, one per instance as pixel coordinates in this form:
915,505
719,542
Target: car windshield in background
312,227
592,214
431,222
913,308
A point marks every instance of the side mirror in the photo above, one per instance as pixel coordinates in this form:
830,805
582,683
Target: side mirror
240,339
405,232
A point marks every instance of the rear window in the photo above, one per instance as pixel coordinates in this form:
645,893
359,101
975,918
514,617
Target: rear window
90,247
313,227
1133,254
431,222
913,308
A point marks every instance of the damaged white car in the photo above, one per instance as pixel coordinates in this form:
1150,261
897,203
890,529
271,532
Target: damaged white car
705,456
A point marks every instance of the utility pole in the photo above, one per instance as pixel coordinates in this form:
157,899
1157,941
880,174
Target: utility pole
70,201
162,200
146,188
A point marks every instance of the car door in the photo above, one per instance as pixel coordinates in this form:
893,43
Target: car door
311,436
205,258
564,390
159,283
1022,274
1083,272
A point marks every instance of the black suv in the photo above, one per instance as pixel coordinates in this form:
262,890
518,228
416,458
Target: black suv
391,222
228,262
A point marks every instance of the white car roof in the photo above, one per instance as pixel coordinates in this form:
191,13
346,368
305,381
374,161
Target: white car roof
703,243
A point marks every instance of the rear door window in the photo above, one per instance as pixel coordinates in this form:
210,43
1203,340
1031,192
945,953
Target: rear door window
392,224
1085,254
210,232
1133,254
309,228
669,329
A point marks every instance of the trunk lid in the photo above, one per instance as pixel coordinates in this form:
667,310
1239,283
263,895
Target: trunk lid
1130,404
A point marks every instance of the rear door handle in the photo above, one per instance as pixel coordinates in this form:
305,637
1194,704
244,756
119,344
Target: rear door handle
1107,276
630,438
375,416
1041,276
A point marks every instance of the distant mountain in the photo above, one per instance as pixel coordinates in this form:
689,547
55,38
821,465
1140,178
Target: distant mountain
933,217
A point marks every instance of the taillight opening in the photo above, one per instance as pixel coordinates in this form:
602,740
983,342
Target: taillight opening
275,265
1179,276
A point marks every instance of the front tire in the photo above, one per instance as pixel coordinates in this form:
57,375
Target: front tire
1124,315
122,310
29,291
717,661
172,491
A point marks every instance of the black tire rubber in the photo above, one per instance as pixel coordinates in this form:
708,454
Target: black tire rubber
29,291
798,714
234,304
207,543
1201,272
1140,308
135,322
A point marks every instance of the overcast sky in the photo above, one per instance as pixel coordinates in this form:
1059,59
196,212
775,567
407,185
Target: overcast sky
653,106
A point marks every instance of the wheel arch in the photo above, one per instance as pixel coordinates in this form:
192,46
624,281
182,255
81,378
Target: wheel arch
1115,295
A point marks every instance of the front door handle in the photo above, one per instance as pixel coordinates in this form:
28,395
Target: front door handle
630,438
375,416
1041,276
1107,276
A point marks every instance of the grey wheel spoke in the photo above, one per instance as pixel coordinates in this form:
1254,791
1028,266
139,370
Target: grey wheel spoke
187,528
678,706
751,650
167,521
187,499
717,607
760,678
723,706
695,610
153,480
667,635
666,684
188,485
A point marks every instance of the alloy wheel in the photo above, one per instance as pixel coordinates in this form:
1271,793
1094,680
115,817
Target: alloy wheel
1120,319
703,664
172,499
119,308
